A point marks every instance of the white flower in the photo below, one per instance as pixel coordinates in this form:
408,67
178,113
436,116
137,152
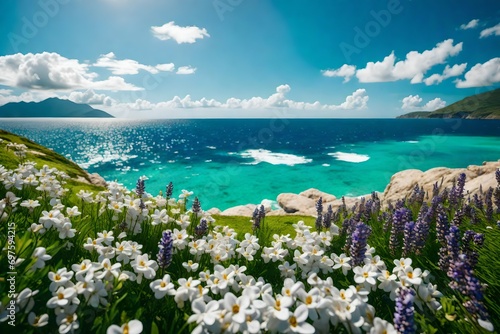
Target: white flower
73,212
143,266
185,194
109,271
59,278
66,231
85,196
297,321
411,275
341,261
105,237
365,274
50,218
162,287
131,327
382,327
62,297
96,294
287,270
190,266
388,281
205,315
30,204
81,269
41,257
401,264
236,307
278,307
187,289
159,217
179,238
67,322
25,299
38,321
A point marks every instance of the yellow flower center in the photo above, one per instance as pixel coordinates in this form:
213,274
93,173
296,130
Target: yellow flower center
125,329
35,322
288,292
342,295
293,321
410,274
142,263
60,295
163,284
83,267
309,300
57,277
236,309
365,274
69,318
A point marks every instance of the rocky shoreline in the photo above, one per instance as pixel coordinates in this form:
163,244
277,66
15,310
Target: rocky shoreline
479,178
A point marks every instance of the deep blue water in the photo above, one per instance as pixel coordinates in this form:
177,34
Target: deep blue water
231,162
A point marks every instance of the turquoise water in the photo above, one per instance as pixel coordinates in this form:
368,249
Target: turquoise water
233,162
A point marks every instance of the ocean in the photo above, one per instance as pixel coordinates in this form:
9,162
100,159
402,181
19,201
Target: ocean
240,161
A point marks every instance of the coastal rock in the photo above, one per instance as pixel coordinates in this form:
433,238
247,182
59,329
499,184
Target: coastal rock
240,210
315,194
97,180
477,177
292,203
214,211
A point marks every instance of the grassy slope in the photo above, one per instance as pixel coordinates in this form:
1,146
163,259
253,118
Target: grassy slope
47,157
485,105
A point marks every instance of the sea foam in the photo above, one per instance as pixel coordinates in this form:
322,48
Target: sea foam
350,157
273,158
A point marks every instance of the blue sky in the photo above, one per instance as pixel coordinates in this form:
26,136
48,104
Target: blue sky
249,58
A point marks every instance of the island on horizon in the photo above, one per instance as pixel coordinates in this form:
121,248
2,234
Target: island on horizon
480,106
51,107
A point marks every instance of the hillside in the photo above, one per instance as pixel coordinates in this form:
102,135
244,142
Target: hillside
41,155
480,106
52,107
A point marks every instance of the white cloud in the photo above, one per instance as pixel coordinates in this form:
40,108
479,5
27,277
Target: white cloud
448,72
91,97
413,102
490,31
186,70
472,24
51,71
345,71
179,34
129,66
357,100
6,96
413,67
481,75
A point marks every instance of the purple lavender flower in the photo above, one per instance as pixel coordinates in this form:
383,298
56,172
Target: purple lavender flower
319,211
422,226
459,217
140,187
404,313
201,229
399,219
347,229
262,212
196,207
359,242
170,189
165,246
489,205
442,225
417,196
464,280
328,217
435,190
452,251
409,244
497,176
256,219
470,237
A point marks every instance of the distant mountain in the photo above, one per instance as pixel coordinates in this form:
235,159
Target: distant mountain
480,106
52,107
